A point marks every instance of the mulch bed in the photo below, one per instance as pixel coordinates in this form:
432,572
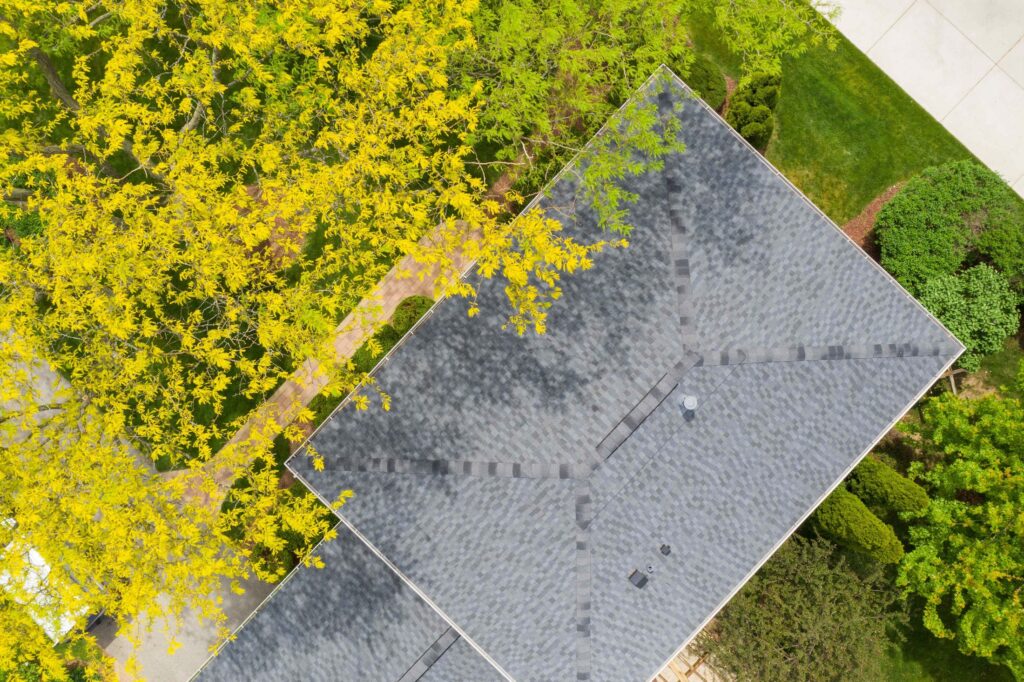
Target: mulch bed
861,228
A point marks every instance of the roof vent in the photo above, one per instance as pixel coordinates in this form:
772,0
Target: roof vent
666,550
638,579
690,402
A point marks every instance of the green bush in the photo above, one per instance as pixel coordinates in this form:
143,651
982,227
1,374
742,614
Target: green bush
978,306
949,216
845,519
1002,241
409,311
885,491
705,78
761,89
365,358
754,123
751,109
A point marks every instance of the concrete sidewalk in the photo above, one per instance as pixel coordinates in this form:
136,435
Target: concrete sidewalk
962,60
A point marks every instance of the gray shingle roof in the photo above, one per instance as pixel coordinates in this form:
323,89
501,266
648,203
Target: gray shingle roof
519,481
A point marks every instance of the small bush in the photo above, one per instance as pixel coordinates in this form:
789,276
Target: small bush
409,311
761,89
978,306
949,216
884,490
366,358
845,519
754,123
705,78
751,109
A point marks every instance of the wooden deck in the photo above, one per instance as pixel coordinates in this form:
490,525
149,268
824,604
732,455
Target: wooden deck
688,667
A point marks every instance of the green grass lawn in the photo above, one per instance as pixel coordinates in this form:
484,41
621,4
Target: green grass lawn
1000,369
924,658
844,130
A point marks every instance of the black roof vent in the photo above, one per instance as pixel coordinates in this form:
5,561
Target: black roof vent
638,579
666,550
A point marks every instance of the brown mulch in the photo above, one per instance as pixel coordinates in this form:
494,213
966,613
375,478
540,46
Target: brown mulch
730,87
860,229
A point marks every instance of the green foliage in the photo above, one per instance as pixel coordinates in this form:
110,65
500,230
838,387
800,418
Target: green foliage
761,88
946,217
751,109
967,547
368,355
409,311
754,123
706,79
387,337
977,306
884,490
806,616
844,518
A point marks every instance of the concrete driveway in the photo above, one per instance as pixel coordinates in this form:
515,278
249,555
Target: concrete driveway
962,60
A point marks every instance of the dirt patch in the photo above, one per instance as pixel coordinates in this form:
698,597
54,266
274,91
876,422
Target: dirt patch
730,87
975,385
861,228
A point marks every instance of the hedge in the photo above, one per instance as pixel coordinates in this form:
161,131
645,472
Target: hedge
751,109
978,306
705,78
409,311
949,216
883,489
366,357
845,519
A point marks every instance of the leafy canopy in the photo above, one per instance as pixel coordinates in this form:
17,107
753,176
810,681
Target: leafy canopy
967,555
978,306
806,616
949,216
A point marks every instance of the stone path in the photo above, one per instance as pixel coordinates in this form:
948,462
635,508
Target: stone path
962,60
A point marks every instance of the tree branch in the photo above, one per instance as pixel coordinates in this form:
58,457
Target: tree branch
57,86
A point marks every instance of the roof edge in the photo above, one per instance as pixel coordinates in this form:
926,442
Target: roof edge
802,519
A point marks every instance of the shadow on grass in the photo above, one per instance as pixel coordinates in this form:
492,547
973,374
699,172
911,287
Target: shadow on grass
925,658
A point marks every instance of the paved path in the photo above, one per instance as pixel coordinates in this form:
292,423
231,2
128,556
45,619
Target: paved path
962,60
195,637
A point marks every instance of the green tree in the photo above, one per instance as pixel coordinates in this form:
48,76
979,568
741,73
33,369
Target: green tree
967,547
806,616
978,306
845,519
